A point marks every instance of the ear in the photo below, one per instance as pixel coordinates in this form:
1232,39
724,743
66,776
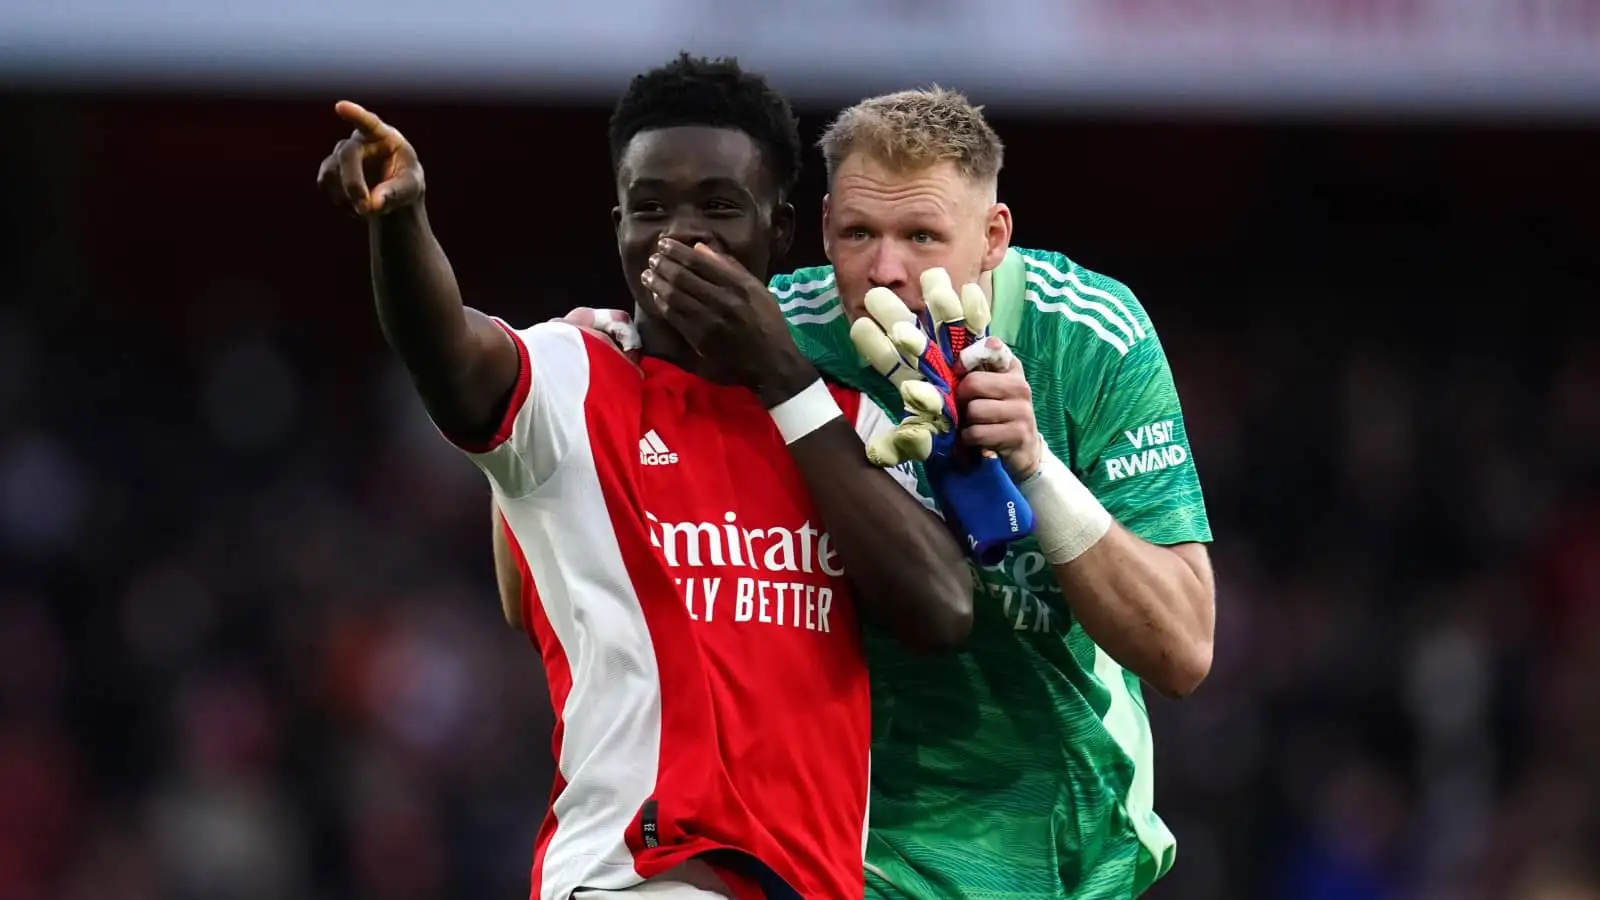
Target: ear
783,219
997,236
827,227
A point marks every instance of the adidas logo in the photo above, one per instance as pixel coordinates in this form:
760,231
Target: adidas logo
653,451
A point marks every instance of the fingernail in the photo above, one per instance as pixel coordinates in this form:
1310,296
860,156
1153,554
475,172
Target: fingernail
646,277
654,259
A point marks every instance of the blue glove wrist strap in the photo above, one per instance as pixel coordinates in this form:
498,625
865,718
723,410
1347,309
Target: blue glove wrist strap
981,504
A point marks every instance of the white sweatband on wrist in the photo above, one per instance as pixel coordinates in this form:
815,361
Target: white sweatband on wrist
805,412
1067,519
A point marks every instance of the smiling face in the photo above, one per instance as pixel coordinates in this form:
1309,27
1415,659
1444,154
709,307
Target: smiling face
698,184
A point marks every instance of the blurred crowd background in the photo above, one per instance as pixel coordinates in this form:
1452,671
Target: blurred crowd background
249,642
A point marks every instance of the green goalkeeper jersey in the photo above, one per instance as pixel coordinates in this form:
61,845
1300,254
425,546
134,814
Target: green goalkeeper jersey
1021,768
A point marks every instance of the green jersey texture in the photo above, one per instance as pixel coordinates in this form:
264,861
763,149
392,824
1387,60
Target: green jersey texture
1022,767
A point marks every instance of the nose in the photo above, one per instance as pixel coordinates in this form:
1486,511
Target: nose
889,269
689,228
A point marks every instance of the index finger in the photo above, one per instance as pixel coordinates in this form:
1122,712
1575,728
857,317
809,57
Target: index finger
364,120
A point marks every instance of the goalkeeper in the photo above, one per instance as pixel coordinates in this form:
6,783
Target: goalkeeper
1022,767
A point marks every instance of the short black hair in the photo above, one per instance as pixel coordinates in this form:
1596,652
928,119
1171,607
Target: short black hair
694,90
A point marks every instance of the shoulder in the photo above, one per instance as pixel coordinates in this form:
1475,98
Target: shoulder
570,354
807,296
1093,313
809,281
543,334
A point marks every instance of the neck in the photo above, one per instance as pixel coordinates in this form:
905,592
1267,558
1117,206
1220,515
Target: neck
661,341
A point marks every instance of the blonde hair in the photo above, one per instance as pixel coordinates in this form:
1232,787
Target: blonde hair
912,130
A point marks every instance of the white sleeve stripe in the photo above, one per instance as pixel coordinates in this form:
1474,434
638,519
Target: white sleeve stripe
1063,279
1089,321
804,287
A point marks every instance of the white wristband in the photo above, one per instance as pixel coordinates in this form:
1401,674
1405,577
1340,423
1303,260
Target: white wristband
805,412
1067,519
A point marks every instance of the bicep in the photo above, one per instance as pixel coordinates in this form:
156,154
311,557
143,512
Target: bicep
492,352
465,386
1198,558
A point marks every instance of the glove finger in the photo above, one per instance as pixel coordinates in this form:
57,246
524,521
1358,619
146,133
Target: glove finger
940,296
975,306
874,347
923,400
987,355
908,339
887,309
884,451
915,440
910,441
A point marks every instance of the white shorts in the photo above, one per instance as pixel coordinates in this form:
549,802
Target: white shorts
694,880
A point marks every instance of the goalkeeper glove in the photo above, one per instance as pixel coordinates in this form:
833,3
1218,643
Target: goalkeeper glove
926,359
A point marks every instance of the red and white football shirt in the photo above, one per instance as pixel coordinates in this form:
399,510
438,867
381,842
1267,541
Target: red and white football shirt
699,638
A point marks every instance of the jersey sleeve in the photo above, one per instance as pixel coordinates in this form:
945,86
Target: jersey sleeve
545,416
1133,450
812,307
806,296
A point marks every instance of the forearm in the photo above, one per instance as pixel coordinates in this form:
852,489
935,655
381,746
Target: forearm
1150,607
463,365
906,567
1147,606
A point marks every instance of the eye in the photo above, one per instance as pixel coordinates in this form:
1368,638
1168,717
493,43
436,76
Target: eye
856,234
922,237
723,209
646,209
